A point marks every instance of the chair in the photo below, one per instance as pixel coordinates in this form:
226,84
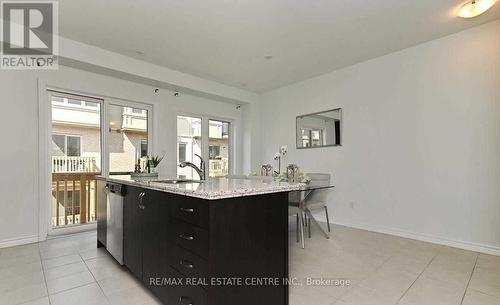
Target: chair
295,211
309,201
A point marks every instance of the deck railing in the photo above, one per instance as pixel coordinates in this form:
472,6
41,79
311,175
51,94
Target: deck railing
218,168
65,164
74,198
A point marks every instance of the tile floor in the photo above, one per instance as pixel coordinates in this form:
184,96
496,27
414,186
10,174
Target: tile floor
380,270
388,270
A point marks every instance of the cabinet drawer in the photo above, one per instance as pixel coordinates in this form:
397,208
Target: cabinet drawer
191,210
185,294
187,263
189,237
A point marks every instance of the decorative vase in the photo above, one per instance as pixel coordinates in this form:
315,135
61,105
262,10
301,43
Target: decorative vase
292,172
266,170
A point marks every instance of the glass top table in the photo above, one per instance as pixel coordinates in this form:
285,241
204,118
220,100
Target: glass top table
304,193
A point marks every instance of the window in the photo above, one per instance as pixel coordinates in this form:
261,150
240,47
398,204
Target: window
74,102
91,104
306,140
64,145
73,148
213,152
137,111
57,99
218,148
317,137
189,142
182,152
144,148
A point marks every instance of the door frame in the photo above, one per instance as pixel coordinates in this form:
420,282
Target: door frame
43,182
205,118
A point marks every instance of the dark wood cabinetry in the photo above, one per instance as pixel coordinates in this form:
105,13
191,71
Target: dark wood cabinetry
132,229
173,236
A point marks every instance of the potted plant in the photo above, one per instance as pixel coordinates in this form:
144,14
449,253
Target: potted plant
153,162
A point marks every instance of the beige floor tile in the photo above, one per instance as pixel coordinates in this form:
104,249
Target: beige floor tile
382,269
365,296
486,280
473,297
15,270
102,262
86,295
102,273
23,294
405,263
20,280
115,284
426,291
58,253
57,244
93,253
65,270
9,261
69,282
389,284
488,261
42,301
132,296
61,261
456,256
318,295
456,273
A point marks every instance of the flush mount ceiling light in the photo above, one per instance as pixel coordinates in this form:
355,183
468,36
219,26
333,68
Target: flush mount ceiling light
475,8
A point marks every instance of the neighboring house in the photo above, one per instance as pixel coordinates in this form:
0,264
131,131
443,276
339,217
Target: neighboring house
76,136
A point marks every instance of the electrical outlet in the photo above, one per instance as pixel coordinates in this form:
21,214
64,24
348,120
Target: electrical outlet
351,204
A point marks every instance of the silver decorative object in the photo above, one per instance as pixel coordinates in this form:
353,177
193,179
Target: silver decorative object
266,170
292,173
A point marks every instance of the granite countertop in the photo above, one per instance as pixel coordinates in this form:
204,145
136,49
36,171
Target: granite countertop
212,188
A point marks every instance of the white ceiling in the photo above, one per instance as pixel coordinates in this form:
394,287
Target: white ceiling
227,40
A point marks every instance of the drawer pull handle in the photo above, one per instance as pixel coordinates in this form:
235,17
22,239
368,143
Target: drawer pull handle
185,301
186,237
186,264
187,210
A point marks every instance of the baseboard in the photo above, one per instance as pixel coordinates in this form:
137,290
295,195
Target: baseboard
481,248
72,229
18,241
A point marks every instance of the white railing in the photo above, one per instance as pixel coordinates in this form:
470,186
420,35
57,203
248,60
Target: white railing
64,164
218,168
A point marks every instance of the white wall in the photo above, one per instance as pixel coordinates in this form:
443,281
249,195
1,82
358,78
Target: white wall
421,139
19,202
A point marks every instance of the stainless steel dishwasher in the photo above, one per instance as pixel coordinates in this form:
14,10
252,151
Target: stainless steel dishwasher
114,220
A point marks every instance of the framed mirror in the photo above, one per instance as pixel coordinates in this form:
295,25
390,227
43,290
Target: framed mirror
320,129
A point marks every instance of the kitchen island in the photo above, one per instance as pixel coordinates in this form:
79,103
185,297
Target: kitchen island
220,241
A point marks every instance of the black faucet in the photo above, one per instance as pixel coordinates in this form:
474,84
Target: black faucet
200,170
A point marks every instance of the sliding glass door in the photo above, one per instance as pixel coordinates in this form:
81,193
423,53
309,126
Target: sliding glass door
127,138
76,158
81,149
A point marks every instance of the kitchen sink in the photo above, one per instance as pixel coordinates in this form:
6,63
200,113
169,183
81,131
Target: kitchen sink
177,181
